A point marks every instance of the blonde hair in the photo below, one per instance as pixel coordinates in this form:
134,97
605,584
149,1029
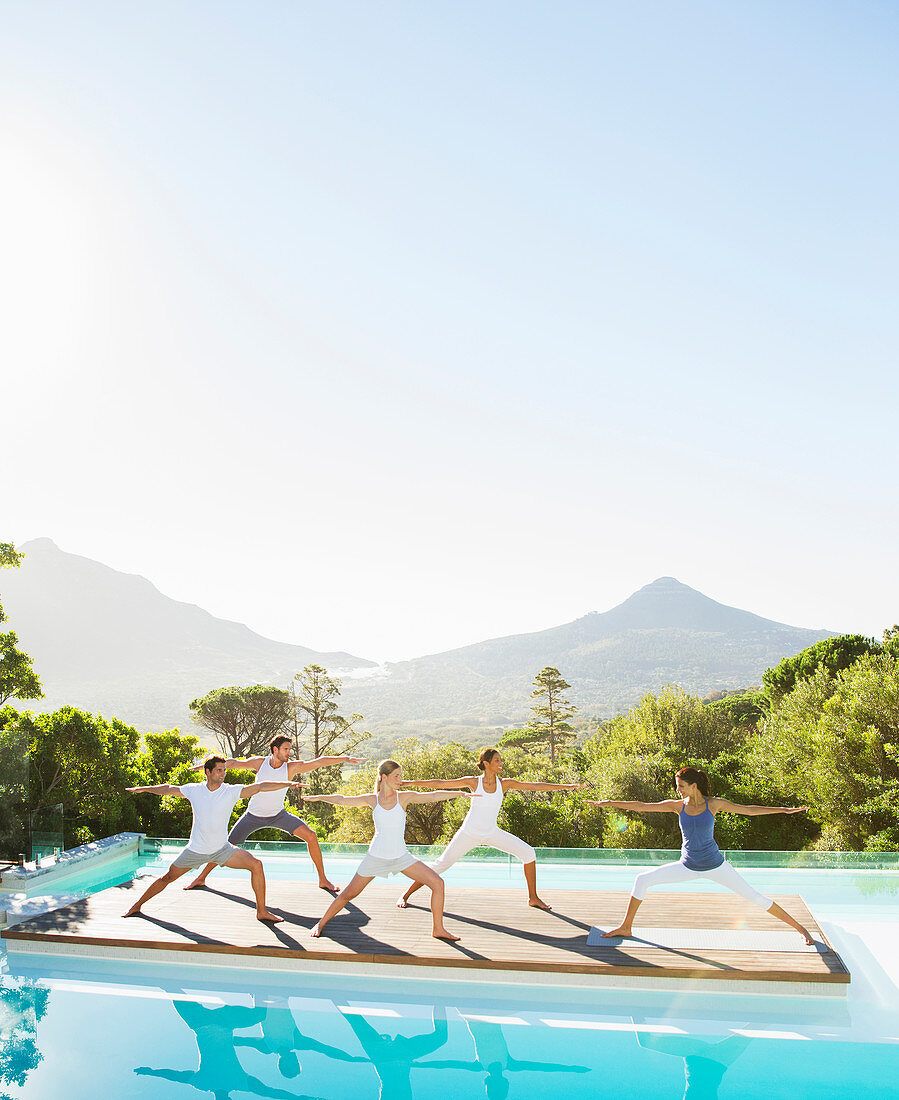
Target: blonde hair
384,768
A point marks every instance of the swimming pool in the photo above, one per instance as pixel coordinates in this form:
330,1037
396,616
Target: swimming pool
87,1027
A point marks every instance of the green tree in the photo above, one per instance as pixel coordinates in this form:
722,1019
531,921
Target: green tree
318,726
549,730
833,742
82,761
18,680
831,654
745,709
244,719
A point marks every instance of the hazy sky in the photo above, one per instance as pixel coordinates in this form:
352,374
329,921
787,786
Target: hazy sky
392,327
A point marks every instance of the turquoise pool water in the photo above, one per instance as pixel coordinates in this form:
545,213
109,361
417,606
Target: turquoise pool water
89,1028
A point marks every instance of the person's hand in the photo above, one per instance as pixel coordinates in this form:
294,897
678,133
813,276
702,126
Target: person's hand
600,802
794,809
359,760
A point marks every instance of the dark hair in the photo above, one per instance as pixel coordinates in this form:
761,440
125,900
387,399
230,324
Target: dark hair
486,756
211,763
697,776
278,741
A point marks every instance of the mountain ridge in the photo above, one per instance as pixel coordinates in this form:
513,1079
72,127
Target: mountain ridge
112,642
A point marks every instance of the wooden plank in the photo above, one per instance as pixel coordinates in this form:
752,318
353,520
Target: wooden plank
499,931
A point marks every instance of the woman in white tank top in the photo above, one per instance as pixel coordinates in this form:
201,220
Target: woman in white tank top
387,853
480,827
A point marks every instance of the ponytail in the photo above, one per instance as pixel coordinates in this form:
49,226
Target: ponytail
384,768
697,776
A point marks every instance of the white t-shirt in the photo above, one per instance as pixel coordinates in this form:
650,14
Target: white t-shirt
269,803
212,812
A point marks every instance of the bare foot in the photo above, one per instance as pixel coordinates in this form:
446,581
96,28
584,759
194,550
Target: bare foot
621,931
329,886
316,931
808,938
197,884
134,911
444,935
402,902
268,918
537,903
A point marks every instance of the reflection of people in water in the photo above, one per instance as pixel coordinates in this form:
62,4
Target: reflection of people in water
281,1036
22,1005
492,1058
705,1062
394,1056
219,1071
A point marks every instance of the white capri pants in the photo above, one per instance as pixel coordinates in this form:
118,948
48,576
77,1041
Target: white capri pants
725,875
463,842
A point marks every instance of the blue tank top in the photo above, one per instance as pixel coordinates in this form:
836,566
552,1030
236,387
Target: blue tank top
699,851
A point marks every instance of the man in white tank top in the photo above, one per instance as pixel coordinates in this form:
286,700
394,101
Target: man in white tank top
267,811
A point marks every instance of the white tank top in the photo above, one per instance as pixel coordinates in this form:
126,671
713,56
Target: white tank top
482,815
269,803
389,840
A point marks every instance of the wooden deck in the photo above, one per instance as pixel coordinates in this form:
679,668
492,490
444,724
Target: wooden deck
499,931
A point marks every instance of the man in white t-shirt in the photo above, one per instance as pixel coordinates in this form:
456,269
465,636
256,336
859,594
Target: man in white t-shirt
267,811
212,803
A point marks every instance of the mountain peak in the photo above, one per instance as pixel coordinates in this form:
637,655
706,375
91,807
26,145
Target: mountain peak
41,544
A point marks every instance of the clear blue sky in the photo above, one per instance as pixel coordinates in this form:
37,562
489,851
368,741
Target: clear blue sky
391,327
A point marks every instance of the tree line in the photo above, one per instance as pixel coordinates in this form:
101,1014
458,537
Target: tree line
821,730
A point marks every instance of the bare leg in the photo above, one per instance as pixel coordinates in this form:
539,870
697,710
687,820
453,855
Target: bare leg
200,880
304,833
783,915
426,877
530,877
156,888
404,900
353,888
624,929
243,861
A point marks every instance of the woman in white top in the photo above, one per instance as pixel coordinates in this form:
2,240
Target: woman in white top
480,828
387,853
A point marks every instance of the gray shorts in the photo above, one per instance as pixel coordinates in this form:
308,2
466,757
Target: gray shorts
374,866
190,859
249,823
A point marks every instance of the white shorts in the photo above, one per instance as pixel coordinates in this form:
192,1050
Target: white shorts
188,858
376,867
724,875
463,842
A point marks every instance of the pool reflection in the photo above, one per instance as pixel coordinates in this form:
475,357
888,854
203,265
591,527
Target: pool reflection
23,1005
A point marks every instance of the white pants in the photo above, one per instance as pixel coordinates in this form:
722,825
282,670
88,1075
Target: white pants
725,875
463,842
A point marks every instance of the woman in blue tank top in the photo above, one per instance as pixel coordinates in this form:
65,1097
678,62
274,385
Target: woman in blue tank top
700,855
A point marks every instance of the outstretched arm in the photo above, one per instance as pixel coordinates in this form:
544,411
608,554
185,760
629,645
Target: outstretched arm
300,767
669,806
724,806
250,763
165,789
259,788
470,781
343,799
436,796
520,785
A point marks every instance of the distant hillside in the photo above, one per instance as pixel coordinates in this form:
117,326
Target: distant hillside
113,643
664,633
